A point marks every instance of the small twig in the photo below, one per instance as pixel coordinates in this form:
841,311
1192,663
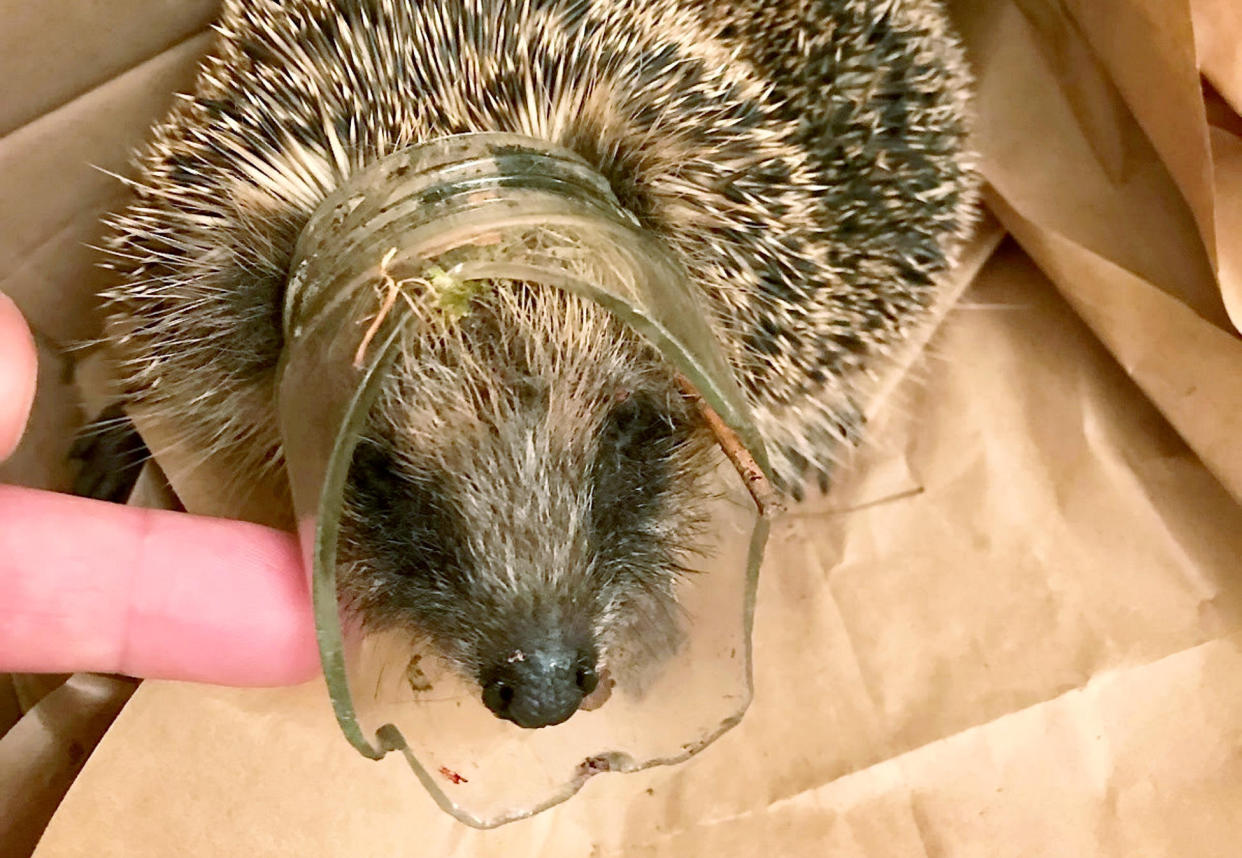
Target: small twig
766,498
389,300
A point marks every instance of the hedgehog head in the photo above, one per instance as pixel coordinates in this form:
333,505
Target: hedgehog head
526,497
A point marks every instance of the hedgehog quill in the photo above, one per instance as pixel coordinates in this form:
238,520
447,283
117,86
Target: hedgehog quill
529,483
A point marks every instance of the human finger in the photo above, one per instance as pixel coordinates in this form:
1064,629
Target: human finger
17,374
88,585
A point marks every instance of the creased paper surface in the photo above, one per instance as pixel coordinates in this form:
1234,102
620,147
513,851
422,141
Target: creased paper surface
1011,629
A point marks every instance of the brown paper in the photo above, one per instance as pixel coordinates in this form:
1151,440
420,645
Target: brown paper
41,755
1013,626
48,59
1216,25
1147,250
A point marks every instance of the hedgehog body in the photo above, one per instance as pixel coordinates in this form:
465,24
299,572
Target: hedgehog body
804,161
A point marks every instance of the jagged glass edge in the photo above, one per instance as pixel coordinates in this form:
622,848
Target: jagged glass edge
323,578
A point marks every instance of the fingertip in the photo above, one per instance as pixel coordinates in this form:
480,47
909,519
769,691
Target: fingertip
18,368
220,601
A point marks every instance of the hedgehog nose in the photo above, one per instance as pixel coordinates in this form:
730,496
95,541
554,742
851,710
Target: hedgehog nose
540,686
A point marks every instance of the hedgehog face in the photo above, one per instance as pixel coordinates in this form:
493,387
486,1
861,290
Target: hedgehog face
532,518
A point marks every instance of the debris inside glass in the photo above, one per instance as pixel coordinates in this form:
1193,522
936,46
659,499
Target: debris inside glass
423,234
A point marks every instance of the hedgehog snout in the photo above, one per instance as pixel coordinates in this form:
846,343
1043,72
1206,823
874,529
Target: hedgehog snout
540,684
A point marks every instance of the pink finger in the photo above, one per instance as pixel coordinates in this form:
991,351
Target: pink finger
17,374
86,585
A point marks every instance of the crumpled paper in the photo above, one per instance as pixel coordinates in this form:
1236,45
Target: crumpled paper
1013,626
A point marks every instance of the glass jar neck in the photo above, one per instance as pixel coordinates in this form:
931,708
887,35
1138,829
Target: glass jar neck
497,206
451,202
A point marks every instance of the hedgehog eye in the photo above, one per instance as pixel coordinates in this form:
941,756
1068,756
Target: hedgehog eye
371,473
636,423
404,518
631,466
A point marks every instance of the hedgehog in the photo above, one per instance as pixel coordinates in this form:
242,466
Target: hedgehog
529,484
